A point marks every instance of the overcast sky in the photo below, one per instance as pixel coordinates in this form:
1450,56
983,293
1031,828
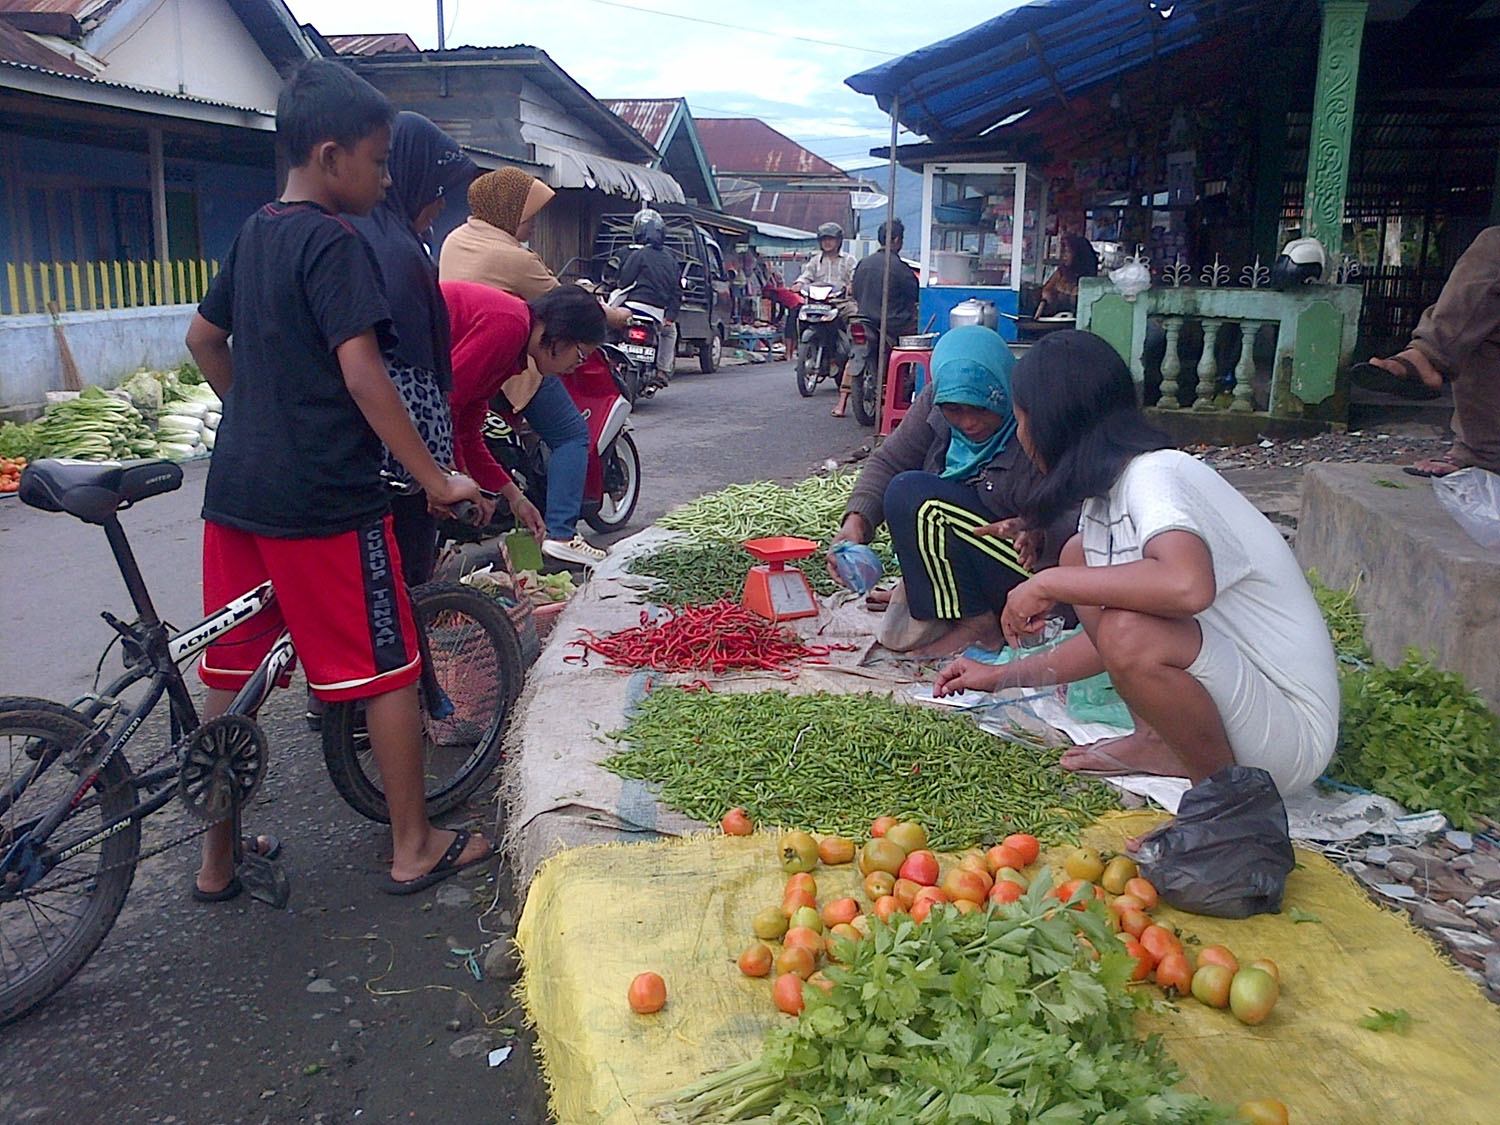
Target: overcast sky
793,78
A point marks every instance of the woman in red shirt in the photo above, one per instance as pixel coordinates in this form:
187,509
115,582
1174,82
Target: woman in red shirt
494,335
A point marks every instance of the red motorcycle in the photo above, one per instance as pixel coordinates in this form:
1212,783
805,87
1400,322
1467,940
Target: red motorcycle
613,484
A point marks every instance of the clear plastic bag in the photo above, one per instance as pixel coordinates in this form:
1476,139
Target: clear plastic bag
1472,497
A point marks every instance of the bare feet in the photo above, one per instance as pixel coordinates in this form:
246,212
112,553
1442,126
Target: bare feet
982,631
877,600
843,407
1141,751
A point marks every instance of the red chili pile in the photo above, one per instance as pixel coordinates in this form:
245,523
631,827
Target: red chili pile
719,637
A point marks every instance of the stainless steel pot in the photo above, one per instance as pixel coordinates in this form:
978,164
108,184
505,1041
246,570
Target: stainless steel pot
974,311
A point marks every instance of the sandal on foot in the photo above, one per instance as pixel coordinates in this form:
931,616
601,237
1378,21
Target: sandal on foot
233,889
1408,384
264,845
1439,468
446,867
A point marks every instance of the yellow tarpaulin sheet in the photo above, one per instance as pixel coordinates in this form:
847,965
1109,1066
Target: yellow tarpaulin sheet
595,917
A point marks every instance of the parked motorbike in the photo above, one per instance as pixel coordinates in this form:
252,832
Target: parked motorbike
864,368
613,483
823,342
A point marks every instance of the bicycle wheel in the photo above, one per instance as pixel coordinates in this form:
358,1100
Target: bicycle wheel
51,926
476,661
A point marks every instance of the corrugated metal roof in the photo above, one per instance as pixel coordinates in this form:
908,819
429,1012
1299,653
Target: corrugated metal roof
87,81
374,44
78,9
803,210
569,168
647,116
747,146
18,48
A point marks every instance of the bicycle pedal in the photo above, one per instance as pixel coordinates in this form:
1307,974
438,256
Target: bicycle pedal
265,880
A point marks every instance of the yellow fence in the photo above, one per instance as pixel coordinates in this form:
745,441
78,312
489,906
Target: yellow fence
77,286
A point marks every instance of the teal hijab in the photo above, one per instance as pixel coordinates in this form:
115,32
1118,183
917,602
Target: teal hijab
971,366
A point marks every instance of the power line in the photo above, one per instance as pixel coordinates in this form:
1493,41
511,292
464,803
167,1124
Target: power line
739,27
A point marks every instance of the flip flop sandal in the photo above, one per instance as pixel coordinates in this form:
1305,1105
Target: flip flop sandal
263,844
446,867
1407,385
1449,469
233,889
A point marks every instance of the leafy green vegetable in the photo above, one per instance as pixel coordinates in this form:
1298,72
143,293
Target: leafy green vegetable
20,439
92,427
1000,1016
835,762
1346,625
1299,915
1399,1020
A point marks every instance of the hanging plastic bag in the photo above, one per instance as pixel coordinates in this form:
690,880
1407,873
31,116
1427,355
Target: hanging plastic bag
1472,497
1227,852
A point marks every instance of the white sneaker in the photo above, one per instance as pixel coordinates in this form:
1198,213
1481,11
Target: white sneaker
577,550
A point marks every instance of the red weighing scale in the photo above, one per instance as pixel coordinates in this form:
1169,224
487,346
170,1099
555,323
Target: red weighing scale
771,589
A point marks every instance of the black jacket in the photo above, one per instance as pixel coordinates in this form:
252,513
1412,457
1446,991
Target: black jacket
869,282
656,276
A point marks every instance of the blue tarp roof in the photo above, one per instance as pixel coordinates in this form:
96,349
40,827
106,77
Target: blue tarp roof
963,85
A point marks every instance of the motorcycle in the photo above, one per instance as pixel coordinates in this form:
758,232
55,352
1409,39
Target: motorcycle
864,368
823,344
612,485
638,343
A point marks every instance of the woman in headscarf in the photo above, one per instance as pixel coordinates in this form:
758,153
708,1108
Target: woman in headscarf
488,249
426,166
951,482
1190,598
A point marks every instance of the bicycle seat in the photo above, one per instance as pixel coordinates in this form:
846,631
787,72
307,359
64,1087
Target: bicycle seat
95,490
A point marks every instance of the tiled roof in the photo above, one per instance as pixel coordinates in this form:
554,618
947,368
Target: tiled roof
647,116
747,146
395,41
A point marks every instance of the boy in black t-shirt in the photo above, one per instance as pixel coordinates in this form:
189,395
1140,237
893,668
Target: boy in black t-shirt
294,491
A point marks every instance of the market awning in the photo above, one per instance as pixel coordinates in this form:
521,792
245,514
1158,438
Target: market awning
771,236
568,168
966,85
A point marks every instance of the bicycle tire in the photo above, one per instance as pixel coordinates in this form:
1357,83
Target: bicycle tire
47,936
478,663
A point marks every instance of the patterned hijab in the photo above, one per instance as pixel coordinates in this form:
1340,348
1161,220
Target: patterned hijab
971,366
507,197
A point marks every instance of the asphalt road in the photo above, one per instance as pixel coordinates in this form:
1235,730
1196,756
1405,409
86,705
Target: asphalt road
348,1006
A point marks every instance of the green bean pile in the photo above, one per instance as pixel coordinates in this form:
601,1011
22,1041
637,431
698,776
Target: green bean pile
698,573
812,508
833,763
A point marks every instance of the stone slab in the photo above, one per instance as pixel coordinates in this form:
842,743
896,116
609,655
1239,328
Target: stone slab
1423,582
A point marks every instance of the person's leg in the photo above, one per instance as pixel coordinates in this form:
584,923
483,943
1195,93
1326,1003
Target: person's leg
416,536
666,351
556,420
1179,730
1476,428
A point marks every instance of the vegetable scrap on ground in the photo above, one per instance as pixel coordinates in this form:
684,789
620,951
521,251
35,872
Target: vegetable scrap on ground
719,637
834,762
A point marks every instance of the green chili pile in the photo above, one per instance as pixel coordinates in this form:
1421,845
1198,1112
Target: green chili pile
833,763
1000,1016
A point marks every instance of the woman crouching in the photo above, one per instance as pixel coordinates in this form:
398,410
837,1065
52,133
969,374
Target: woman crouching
1189,598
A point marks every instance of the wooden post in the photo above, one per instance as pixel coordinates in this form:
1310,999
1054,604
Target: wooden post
885,279
1333,126
159,197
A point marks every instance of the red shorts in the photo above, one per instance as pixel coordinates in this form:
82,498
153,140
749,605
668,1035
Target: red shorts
341,597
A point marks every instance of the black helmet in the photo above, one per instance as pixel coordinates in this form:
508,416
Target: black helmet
1302,260
831,230
647,228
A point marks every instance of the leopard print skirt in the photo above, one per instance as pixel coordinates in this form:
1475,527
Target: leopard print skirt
428,407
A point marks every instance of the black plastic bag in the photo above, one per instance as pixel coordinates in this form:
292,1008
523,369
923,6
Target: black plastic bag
1228,851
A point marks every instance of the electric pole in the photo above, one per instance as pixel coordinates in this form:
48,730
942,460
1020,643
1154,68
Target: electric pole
441,33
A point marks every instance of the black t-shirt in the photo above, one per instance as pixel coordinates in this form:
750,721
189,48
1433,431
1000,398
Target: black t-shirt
293,455
654,272
869,283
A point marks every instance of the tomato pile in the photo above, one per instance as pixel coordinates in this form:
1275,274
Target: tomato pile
718,637
10,473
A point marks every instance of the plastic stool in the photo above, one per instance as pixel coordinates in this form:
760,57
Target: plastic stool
907,369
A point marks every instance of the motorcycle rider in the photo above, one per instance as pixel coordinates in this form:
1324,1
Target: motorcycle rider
656,276
831,266
869,287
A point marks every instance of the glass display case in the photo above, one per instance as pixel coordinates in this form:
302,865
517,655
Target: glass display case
983,235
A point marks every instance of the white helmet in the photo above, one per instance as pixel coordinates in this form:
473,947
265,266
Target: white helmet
1302,260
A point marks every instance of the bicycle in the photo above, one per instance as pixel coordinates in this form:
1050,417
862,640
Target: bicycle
71,805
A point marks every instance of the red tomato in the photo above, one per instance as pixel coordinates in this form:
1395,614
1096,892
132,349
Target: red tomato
1025,843
1005,891
921,867
1173,973
1144,962
787,992
756,961
736,823
647,994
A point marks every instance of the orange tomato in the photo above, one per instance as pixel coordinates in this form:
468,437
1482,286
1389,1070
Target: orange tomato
1025,843
820,981
1144,962
1262,1111
802,881
808,939
1121,903
795,900
963,884
1159,941
647,994
1143,890
1134,922
906,892
835,850
926,899
736,823
1173,973
787,992
796,960
840,911
878,884
756,961
1005,891
1266,965
1218,955
885,906
882,825
1003,855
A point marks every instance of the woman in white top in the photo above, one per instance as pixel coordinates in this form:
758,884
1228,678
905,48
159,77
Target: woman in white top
1190,599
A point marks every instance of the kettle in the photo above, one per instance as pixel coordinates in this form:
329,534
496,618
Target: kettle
974,311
